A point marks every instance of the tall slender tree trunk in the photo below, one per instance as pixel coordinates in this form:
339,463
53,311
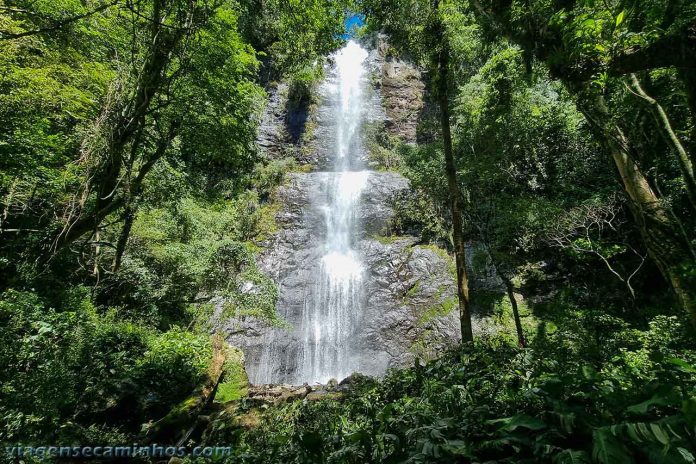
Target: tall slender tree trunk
660,232
125,123
128,219
521,340
97,253
688,77
454,194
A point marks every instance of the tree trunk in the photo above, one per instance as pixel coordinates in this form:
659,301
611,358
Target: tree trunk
85,223
665,244
454,194
128,218
666,247
515,312
688,77
125,122
97,253
665,126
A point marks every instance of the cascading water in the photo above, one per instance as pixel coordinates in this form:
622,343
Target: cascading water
335,289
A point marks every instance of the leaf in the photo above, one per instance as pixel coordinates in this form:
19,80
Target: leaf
686,454
589,372
659,434
607,449
357,436
689,410
640,432
571,457
642,408
683,365
565,420
520,420
620,18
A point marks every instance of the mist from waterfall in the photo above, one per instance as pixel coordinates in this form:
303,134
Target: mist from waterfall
335,294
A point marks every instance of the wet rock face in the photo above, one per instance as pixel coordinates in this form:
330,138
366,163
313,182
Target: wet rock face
402,91
271,138
283,131
407,308
408,311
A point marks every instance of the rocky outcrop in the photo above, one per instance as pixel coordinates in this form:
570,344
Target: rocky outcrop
409,310
277,394
271,138
285,129
402,91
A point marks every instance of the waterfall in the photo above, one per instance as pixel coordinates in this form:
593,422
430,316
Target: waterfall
334,315
330,319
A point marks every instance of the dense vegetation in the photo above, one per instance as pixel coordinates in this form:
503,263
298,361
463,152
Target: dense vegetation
557,136
492,402
132,191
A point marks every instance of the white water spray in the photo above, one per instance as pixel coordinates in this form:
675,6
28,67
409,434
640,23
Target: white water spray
333,318
330,318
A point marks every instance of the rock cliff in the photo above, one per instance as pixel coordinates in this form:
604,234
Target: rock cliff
410,308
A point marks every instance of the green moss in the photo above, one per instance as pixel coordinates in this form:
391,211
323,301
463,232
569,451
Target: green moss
266,224
442,253
235,384
234,387
230,391
439,310
413,290
310,125
419,348
388,239
382,148
303,168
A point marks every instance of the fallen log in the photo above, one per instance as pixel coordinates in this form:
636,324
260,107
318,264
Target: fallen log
178,425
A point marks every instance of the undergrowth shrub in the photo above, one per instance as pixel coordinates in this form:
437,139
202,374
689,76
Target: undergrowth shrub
494,402
70,374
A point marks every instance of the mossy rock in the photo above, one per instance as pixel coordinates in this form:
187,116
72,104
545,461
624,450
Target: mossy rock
236,383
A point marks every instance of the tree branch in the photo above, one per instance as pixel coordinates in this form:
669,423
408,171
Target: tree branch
4,35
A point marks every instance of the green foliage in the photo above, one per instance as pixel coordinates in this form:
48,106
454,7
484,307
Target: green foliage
66,369
132,192
221,99
382,147
133,125
195,249
492,402
302,85
294,34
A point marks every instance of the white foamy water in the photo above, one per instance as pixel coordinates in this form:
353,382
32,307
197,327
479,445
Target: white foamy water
335,293
332,319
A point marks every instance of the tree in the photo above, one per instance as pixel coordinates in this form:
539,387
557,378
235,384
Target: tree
592,50
171,70
122,124
418,28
